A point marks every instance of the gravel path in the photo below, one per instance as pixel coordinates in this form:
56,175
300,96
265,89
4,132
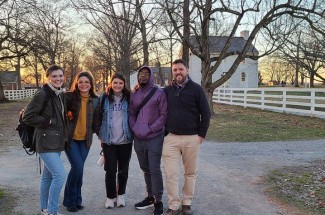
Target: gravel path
227,182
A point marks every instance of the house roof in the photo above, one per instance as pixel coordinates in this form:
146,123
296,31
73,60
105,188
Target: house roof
8,76
218,42
155,69
163,69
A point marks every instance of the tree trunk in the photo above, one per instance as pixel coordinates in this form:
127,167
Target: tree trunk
143,29
72,74
312,79
160,74
297,62
18,74
206,82
209,94
186,31
2,94
302,79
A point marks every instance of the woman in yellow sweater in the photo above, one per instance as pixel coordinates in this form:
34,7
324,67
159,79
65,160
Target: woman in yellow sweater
81,104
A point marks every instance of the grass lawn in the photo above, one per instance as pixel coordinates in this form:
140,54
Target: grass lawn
238,124
302,187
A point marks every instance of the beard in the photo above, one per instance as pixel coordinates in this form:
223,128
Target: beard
143,83
180,79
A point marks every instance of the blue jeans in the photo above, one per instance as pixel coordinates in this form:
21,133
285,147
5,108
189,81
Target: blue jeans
77,155
52,181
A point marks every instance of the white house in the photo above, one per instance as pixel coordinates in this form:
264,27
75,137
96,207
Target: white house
246,74
9,80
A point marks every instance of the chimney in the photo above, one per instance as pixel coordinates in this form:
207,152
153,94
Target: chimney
244,34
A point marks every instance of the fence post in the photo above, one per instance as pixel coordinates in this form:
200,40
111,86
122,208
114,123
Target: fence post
231,92
218,96
245,98
312,102
284,100
262,99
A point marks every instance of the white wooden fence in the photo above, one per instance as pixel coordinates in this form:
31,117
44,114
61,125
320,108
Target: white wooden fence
299,101
19,94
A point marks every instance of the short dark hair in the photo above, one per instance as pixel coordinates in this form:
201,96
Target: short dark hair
53,68
180,61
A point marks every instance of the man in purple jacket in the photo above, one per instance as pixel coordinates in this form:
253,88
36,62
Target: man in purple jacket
148,125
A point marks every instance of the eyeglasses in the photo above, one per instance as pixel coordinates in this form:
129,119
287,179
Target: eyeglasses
83,82
146,74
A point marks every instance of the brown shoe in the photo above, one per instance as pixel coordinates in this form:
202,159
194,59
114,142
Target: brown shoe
171,212
186,209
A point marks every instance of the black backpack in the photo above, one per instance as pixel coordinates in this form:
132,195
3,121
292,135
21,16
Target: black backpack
26,132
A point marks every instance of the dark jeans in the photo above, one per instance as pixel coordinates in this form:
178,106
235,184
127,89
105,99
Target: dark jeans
77,155
117,159
149,157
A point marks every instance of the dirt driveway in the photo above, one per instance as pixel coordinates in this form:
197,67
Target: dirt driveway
227,182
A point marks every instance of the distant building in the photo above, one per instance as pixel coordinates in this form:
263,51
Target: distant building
161,79
9,80
246,74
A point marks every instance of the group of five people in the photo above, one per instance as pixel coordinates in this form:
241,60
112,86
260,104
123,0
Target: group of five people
171,124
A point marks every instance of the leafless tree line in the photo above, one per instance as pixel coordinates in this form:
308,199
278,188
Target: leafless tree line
126,34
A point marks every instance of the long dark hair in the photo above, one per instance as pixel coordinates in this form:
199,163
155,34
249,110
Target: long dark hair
74,86
125,90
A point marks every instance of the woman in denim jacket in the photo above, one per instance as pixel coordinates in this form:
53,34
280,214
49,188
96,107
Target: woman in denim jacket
116,138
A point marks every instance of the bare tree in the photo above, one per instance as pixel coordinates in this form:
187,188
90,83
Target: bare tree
50,25
98,68
186,30
304,50
71,58
13,41
277,69
112,20
102,58
265,13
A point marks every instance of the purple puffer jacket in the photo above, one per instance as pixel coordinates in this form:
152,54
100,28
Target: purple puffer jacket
152,117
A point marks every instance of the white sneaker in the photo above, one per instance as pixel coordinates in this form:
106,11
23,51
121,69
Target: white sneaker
120,202
44,212
109,203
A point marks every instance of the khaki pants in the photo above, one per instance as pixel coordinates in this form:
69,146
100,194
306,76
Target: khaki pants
175,148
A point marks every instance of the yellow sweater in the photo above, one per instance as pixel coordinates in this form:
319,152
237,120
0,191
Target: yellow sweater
81,130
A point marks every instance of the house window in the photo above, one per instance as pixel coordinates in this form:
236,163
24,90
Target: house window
243,76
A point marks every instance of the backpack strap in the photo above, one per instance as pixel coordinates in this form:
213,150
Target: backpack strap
145,100
49,97
102,99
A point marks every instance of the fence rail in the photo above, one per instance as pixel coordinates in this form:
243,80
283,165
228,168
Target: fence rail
306,102
19,94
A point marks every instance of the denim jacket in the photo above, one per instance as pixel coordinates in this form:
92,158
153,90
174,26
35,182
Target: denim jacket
107,122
